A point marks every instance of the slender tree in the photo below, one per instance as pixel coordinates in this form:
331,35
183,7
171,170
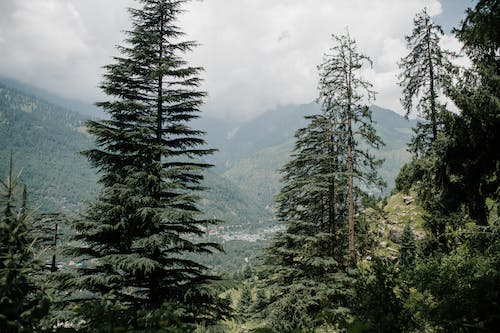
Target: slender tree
343,94
408,249
322,186
135,236
22,301
425,72
307,260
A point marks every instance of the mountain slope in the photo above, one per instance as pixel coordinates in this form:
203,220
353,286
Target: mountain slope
258,172
45,140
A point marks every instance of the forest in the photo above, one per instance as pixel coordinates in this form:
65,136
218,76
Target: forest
338,251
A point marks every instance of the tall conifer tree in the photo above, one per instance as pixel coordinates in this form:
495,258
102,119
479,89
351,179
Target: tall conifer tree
471,155
322,185
425,72
343,94
306,262
135,236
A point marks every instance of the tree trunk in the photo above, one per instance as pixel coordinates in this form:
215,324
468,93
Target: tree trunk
433,110
159,119
350,168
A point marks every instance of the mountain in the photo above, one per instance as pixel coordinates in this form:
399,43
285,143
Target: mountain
86,109
252,153
237,141
45,139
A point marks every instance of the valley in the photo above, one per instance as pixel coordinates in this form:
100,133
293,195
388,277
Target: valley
45,139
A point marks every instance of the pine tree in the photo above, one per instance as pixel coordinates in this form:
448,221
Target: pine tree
322,187
22,301
342,93
469,157
135,236
408,248
425,72
259,305
245,302
307,260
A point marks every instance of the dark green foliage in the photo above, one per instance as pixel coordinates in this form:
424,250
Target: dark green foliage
307,260
381,298
22,301
307,265
470,154
408,249
411,173
342,94
134,238
290,313
258,308
458,292
425,72
452,285
245,302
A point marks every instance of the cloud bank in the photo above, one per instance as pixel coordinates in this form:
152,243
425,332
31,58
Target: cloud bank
256,53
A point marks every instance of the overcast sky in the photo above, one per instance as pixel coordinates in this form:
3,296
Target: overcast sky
256,53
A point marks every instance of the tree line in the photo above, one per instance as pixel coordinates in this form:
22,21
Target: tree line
137,242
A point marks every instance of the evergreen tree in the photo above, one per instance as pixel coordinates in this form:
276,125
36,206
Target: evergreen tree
425,72
380,299
342,93
322,186
135,236
408,248
469,156
259,305
22,301
245,302
454,287
307,260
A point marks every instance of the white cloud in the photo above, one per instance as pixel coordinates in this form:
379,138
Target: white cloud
256,53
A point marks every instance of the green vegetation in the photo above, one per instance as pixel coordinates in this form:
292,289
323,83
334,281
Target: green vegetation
23,303
45,140
143,256
134,238
309,267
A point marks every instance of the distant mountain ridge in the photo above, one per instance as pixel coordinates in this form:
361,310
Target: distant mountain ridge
46,138
85,109
256,150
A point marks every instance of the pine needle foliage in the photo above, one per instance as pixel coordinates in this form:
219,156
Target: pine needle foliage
343,95
309,265
22,301
425,73
134,237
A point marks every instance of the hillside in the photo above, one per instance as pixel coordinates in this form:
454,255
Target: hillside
45,140
258,170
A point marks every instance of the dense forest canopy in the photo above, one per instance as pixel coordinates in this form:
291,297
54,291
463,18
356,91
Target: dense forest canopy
335,252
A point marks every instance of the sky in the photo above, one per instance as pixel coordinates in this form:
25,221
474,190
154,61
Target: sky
257,54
